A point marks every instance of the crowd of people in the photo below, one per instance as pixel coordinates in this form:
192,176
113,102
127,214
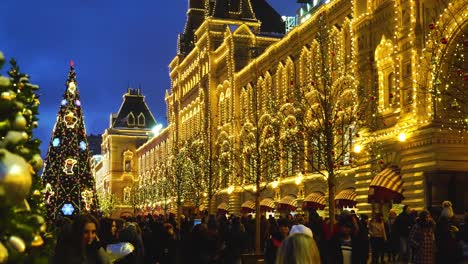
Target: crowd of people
409,237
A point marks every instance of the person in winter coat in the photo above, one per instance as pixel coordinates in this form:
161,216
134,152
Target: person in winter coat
422,239
108,231
236,243
403,224
297,249
344,247
168,248
392,242
83,247
130,234
378,238
274,242
448,248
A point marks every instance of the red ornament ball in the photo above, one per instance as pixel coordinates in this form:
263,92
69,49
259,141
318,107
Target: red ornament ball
391,95
381,162
444,40
431,26
372,98
465,77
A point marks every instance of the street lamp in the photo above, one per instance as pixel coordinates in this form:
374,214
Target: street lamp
357,149
299,178
275,184
402,137
156,129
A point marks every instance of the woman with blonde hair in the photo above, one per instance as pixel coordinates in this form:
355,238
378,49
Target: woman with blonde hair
298,248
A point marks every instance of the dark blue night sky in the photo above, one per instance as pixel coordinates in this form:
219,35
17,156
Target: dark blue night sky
114,43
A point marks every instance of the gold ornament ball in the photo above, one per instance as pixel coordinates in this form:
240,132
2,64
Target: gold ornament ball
20,122
17,243
8,95
36,162
15,137
3,254
27,112
4,82
5,124
15,178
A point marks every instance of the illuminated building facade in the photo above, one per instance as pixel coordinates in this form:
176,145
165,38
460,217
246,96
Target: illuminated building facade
234,59
129,128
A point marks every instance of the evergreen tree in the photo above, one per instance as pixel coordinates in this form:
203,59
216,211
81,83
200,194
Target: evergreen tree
23,235
70,186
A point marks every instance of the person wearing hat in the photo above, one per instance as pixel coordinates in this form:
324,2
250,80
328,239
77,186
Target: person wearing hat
299,247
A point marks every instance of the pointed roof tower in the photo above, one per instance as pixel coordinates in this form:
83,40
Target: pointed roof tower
134,113
240,10
232,9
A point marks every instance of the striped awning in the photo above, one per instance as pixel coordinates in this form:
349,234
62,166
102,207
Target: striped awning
315,200
387,186
287,203
346,198
267,204
223,207
248,206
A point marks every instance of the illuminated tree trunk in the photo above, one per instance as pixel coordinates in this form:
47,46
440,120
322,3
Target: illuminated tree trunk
258,248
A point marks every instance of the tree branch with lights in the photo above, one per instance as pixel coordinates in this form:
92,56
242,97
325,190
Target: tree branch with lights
330,111
256,163
443,71
204,183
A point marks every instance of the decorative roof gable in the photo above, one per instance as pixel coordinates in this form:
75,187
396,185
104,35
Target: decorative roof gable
132,112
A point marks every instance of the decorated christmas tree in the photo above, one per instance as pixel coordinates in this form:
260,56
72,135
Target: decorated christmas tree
70,186
23,231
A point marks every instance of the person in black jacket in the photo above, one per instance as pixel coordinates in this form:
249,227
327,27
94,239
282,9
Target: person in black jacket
345,247
168,251
130,234
274,242
403,224
236,242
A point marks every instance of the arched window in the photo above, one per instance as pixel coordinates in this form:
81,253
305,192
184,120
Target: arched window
221,108
385,68
128,161
126,194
